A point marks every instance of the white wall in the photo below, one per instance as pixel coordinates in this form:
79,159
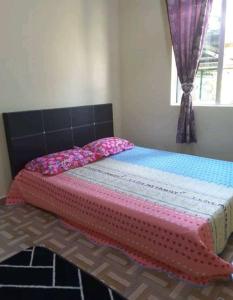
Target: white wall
56,53
147,117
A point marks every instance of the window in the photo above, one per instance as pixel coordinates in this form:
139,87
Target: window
214,80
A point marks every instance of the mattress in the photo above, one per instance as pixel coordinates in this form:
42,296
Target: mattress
166,210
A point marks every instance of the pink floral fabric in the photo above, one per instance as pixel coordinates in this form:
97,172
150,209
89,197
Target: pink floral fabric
55,163
108,146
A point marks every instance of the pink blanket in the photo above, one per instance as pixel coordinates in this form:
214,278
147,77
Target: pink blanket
154,235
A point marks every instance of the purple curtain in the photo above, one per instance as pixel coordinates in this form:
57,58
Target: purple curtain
188,22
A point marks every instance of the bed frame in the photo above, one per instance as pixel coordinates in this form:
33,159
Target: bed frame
31,134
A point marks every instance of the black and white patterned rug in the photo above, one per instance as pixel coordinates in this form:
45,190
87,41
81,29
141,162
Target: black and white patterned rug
38,273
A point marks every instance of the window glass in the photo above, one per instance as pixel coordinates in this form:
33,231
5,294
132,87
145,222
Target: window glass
214,79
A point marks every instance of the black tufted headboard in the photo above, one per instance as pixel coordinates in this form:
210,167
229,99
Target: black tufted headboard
31,134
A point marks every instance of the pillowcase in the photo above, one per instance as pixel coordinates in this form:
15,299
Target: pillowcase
108,146
55,163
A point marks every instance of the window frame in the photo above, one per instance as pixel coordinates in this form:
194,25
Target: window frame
175,101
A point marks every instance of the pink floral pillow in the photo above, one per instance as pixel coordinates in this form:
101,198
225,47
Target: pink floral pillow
108,146
55,163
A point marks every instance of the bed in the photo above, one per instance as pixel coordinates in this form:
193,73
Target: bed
168,211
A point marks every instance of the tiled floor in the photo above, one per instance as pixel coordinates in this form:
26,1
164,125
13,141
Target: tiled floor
25,225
